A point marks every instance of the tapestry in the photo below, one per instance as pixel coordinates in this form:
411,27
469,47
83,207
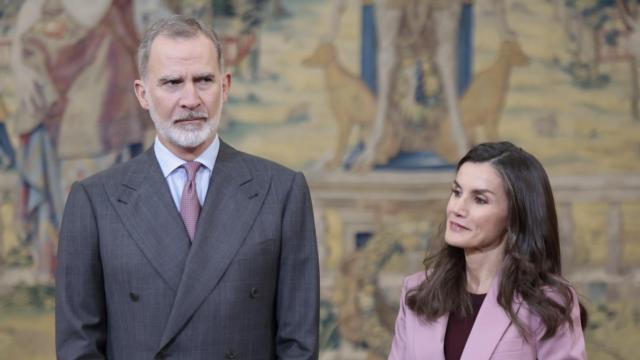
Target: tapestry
374,100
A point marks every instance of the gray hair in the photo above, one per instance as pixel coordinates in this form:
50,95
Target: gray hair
175,27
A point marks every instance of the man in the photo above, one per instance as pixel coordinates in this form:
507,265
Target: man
192,250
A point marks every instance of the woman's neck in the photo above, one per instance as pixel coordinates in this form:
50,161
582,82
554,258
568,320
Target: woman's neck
482,266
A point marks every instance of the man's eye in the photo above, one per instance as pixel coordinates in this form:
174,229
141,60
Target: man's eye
205,81
455,192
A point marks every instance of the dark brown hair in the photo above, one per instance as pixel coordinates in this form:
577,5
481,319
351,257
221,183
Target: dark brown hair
532,253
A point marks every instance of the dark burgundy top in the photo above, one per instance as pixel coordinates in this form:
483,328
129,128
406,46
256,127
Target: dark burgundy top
458,329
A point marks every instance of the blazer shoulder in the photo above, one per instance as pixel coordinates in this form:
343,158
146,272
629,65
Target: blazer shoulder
120,171
257,164
556,294
414,280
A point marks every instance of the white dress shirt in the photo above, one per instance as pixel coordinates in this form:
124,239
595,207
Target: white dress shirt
176,175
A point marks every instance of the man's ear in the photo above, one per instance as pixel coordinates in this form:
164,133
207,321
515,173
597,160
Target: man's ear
226,85
141,93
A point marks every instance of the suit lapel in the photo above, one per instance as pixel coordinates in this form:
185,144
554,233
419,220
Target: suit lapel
233,200
489,327
147,210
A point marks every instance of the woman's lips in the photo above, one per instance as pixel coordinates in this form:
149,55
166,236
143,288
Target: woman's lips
456,226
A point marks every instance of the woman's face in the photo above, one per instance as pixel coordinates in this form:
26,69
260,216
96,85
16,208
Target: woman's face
477,211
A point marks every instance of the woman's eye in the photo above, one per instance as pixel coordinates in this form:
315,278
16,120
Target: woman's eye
480,200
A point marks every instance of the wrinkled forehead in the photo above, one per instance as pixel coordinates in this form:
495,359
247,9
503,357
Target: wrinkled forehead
175,52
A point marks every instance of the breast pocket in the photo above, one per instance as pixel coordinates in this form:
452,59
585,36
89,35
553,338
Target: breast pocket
255,261
253,249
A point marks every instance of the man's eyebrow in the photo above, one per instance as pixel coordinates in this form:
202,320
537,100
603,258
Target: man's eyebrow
168,78
207,75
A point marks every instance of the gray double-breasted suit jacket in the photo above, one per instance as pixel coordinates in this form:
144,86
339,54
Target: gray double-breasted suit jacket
130,284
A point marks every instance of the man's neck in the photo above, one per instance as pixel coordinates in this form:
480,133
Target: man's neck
187,153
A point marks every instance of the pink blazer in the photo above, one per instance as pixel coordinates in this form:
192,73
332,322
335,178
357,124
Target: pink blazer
493,336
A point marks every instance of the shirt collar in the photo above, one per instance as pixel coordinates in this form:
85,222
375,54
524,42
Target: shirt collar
169,162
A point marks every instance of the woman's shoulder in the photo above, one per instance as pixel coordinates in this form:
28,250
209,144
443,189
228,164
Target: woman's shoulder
414,279
559,290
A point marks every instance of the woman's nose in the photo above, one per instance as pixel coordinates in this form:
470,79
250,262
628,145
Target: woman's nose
458,206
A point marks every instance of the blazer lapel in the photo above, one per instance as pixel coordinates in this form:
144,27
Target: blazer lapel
429,339
149,214
490,325
233,200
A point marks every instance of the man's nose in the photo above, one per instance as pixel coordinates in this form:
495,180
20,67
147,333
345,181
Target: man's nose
190,97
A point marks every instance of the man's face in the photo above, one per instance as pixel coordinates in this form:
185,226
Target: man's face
184,91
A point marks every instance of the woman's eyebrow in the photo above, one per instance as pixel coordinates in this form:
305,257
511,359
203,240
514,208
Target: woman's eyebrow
474,191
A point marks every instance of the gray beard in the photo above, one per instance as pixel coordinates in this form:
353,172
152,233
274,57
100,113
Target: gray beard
187,136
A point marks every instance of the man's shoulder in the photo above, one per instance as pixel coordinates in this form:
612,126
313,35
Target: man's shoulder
257,164
120,171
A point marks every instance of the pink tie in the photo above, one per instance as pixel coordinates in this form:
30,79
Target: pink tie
189,204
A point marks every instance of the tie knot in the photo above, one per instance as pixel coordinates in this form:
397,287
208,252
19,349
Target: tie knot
192,168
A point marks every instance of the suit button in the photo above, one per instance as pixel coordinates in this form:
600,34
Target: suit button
134,297
253,293
161,356
230,354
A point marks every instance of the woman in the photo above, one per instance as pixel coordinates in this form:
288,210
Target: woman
494,290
